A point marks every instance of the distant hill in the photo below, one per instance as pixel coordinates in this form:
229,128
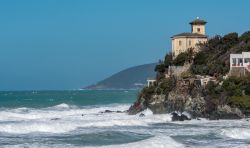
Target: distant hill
131,78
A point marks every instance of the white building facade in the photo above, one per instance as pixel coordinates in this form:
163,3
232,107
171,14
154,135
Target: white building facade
240,60
151,82
240,63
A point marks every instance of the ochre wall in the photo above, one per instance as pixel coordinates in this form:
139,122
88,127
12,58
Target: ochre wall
177,49
202,29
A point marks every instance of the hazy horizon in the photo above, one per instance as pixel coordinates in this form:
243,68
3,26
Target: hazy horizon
61,45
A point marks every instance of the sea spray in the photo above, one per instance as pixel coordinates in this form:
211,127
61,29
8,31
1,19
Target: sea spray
236,133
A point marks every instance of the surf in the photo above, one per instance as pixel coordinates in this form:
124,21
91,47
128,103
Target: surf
64,118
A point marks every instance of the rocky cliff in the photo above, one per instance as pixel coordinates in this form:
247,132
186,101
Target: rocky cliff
190,98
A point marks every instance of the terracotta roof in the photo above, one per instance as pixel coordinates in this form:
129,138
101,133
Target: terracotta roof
187,34
198,22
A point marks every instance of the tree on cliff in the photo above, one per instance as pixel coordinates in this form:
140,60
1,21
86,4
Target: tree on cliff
213,59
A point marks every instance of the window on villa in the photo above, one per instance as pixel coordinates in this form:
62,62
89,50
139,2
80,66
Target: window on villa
198,29
240,61
234,61
179,43
190,43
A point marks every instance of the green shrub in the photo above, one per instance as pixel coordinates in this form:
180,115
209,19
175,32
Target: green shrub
167,85
247,89
180,59
160,68
242,102
147,92
230,39
200,58
214,42
245,37
200,69
186,74
168,60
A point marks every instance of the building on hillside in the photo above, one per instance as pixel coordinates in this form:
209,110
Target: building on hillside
240,64
151,82
204,80
183,41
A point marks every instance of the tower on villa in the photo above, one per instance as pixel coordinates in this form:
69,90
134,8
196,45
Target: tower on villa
183,41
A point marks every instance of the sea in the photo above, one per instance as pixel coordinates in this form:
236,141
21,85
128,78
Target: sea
77,118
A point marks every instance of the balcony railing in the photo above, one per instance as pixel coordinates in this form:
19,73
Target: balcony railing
238,65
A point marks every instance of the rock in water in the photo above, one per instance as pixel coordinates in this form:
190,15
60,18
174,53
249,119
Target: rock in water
110,111
107,111
176,117
184,117
141,115
55,119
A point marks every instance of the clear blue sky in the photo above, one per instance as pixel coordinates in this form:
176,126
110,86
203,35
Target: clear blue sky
67,44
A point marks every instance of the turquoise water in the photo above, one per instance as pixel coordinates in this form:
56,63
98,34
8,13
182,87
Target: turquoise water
66,119
41,99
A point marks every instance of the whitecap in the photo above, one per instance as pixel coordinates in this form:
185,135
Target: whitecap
42,120
62,106
146,112
236,133
30,127
159,141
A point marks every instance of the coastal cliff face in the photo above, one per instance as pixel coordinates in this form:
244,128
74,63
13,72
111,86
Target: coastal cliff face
191,99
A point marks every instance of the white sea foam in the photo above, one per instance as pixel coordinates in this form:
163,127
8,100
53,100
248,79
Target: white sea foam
52,120
63,105
236,133
23,128
58,111
147,112
64,119
159,141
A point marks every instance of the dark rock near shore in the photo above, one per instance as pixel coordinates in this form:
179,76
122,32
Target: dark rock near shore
177,117
136,108
142,115
55,119
109,111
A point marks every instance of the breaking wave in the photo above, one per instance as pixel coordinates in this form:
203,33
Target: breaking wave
159,141
64,118
236,133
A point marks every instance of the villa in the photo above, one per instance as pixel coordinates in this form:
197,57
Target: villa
240,64
187,40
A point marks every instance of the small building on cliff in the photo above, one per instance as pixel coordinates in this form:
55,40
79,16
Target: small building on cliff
151,82
187,40
240,64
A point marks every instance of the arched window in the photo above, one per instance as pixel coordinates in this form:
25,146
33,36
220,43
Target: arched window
179,43
198,29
